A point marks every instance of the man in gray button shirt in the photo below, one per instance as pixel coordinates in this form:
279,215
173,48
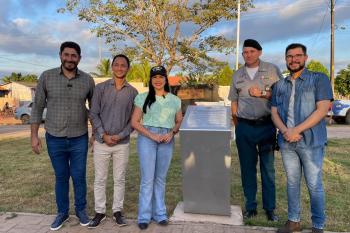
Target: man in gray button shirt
250,95
111,110
64,91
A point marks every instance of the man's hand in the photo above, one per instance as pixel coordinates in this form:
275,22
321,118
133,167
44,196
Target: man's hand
116,138
108,140
255,91
36,144
292,135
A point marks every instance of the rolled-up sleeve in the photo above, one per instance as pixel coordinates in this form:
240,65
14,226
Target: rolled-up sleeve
39,101
95,111
274,95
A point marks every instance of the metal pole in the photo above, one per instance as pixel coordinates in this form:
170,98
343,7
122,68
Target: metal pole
238,30
332,45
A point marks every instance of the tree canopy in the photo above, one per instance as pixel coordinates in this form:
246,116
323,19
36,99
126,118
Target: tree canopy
165,32
17,77
342,81
317,66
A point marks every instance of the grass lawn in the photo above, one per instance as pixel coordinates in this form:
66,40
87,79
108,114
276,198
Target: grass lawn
27,184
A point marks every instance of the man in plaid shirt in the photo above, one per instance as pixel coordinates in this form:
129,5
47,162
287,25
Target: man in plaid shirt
64,91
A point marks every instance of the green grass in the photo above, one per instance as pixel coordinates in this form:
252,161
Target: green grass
27,184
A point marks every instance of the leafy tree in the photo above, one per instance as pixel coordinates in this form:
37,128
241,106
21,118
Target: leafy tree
317,66
139,72
164,32
224,76
104,69
18,77
342,81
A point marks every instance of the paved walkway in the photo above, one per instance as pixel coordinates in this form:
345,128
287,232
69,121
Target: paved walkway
37,223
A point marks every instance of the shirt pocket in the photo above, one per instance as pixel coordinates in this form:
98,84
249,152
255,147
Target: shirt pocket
242,88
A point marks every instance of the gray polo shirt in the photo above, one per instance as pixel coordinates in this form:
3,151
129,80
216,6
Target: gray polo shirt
249,107
65,100
111,110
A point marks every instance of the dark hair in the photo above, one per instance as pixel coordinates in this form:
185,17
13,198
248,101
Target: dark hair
296,45
151,97
70,44
123,56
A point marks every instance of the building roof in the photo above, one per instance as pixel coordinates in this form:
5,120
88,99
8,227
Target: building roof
3,88
27,84
175,80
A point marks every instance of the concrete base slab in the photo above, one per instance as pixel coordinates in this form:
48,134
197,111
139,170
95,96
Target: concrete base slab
235,219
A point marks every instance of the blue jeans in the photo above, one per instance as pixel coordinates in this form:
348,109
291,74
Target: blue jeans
155,160
296,158
68,158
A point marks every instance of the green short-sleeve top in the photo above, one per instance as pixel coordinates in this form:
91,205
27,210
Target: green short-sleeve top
162,112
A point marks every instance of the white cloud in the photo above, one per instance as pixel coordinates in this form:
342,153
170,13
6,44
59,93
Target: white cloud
21,22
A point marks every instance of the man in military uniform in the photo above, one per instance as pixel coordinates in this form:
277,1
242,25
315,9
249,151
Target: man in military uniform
250,95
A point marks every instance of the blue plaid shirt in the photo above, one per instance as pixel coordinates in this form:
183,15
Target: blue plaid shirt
310,88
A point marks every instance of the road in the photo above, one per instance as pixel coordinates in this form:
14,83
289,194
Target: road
9,131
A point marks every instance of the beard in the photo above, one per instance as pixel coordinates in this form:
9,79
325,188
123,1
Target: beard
70,66
294,70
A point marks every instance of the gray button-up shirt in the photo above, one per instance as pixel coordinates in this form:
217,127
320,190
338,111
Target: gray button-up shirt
65,100
249,107
111,110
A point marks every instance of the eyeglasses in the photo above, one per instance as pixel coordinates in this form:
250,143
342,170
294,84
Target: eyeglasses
297,56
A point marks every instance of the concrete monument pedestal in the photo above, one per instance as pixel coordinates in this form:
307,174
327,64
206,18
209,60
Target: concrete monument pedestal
235,218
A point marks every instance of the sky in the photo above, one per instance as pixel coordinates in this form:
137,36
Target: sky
31,32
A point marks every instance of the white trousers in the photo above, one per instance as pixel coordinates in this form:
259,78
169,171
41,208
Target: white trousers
102,155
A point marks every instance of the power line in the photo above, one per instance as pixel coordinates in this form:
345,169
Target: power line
20,61
319,31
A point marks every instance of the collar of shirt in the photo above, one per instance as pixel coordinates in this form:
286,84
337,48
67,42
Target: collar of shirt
112,83
262,68
302,76
77,72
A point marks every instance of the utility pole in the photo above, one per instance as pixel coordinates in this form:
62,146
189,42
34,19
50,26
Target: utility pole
332,45
238,30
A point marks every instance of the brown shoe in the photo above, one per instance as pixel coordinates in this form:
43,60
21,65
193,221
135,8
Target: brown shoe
290,227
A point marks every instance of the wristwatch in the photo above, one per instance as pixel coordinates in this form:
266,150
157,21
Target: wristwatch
263,93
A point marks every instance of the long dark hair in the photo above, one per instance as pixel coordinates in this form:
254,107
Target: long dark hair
151,97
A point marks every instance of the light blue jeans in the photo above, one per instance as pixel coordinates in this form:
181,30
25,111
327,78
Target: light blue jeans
296,157
155,160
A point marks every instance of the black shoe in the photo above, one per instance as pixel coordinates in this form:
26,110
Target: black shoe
119,220
163,222
249,213
96,220
316,230
143,226
271,216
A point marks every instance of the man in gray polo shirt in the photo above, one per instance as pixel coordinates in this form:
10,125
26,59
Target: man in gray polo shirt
250,95
111,110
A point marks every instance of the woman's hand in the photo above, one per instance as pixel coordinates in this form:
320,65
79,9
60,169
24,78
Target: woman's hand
156,137
166,138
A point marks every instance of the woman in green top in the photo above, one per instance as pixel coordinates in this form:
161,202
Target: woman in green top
157,117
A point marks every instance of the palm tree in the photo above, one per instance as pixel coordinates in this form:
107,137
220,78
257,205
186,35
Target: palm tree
104,69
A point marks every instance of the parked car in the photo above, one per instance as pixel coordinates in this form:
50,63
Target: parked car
23,112
340,111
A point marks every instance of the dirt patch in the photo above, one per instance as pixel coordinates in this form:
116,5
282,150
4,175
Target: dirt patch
9,121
